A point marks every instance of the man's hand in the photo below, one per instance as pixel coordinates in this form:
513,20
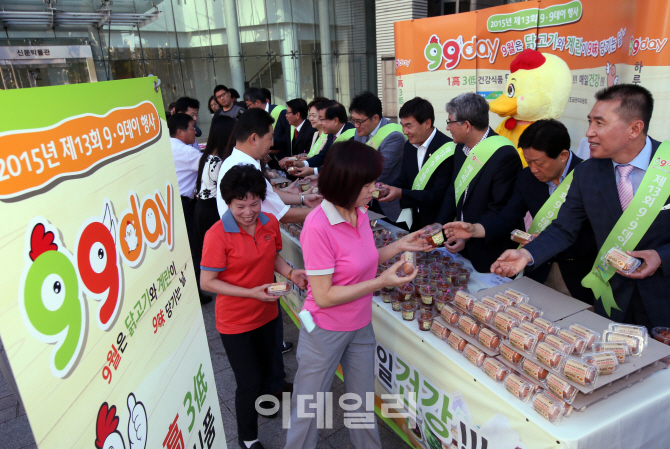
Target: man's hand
312,178
652,261
313,200
459,230
393,194
292,188
511,262
455,246
304,171
285,163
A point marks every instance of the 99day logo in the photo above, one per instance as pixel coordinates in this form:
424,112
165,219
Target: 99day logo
452,50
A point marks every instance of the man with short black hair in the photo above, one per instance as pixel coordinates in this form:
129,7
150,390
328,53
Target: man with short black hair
485,170
267,94
541,189
300,136
255,98
623,192
386,137
190,106
426,166
225,99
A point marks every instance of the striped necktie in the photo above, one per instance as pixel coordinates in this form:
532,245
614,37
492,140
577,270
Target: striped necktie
625,185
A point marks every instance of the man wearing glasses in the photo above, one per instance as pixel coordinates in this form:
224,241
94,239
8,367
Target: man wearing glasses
385,137
225,99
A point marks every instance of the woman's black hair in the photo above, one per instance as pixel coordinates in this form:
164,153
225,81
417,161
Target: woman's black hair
240,181
218,142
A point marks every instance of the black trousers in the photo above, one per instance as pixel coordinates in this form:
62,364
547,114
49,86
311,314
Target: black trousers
275,381
637,313
250,355
188,205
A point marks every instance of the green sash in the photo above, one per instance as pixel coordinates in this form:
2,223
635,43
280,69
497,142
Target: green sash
318,144
276,111
290,139
477,158
383,133
427,170
550,208
650,198
346,135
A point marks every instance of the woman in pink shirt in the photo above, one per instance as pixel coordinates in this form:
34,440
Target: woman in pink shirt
341,263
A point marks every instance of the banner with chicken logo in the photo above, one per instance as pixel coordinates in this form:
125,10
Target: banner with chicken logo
535,60
101,318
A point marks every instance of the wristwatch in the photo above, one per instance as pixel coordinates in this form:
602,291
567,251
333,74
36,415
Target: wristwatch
302,200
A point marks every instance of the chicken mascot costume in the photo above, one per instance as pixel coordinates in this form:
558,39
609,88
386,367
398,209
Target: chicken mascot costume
538,88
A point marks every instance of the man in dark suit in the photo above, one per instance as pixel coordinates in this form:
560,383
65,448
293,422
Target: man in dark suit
296,115
333,118
546,148
602,189
417,118
489,190
255,98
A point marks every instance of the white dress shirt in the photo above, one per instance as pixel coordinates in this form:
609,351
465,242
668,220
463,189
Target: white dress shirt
272,204
421,149
186,160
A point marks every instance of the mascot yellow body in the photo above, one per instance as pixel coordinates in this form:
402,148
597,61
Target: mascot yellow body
538,88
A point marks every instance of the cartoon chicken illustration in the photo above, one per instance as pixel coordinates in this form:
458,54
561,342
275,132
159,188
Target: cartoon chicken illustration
131,236
107,435
538,88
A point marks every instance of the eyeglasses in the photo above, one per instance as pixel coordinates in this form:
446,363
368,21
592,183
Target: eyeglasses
222,94
451,122
359,122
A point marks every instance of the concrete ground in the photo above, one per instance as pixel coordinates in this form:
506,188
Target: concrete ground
15,430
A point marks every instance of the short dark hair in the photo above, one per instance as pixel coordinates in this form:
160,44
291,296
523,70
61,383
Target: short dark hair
242,180
637,103
418,108
254,94
470,107
172,105
333,110
267,93
178,120
366,103
298,106
220,87
254,121
348,167
184,103
234,93
209,104
315,102
549,136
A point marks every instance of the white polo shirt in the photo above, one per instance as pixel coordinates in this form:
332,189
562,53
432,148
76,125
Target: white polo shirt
272,204
186,160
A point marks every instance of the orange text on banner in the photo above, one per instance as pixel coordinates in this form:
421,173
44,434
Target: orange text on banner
32,160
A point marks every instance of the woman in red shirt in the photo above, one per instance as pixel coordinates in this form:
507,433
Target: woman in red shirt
239,259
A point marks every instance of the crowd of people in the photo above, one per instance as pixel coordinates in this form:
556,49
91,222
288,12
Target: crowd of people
472,183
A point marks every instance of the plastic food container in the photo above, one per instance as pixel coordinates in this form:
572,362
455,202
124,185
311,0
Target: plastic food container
278,288
517,295
386,295
631,330
522,340
620,349
546,325
504,299
565,407
578,371
451,274
549,356
547,407
489,339
483,313
661,334
468,325
433,235
621,261
450,315
388,239
533,329
440,302
396,300
495,370
428,294
561,388
606,362
464,301
521,237
589,335
493,303
464,275
635,344
436,268
444,258
534,370
574,339
511,354
425,320
504,322
532,311
517,313
440,330
475,355
408,309
520,388
457,342
304,185
409,262
560,344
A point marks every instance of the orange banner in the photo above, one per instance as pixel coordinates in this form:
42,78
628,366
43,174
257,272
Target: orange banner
33,160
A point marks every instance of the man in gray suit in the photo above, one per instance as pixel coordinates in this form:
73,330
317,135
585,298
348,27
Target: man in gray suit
385,137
